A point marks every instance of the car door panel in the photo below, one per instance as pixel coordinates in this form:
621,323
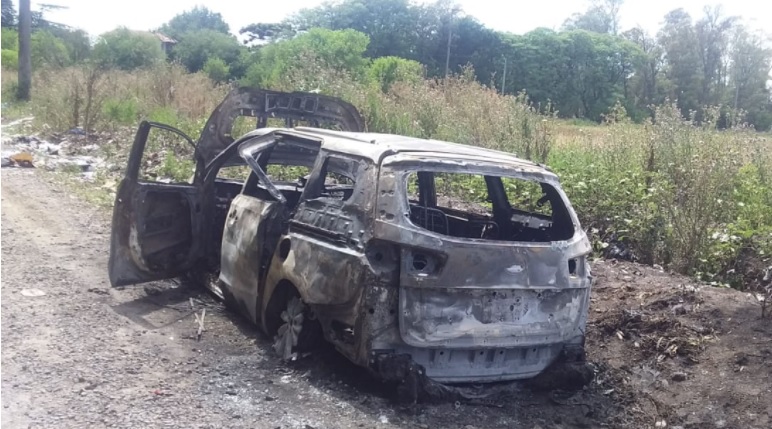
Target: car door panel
156,227
252,229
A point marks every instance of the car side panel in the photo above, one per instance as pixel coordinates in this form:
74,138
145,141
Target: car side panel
249,240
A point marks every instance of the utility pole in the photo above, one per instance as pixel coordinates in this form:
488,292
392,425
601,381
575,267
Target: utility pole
447,55
25,61
504,77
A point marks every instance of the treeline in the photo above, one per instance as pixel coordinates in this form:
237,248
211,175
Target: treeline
582,71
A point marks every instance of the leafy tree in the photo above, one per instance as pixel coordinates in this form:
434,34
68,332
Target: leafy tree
337,50
10,49
682,60
48,50
712,33
584,75
751,64
387,22
266,32
197,19
477,45
77,42
648,80
216,69
386,71
10,59
127,49
196,47
9,39
601,17
9,14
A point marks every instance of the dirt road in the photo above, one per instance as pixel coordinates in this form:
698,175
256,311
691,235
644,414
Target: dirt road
77,353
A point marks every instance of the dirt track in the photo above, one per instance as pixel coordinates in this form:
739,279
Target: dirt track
86,355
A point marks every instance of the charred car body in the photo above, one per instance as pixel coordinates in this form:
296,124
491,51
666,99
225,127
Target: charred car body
374,240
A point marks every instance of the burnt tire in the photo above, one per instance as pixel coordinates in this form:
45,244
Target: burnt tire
298,330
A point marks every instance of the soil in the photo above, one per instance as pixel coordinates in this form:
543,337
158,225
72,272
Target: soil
667,352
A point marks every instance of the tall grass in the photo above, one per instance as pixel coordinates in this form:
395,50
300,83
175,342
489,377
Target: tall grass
101,100
670,191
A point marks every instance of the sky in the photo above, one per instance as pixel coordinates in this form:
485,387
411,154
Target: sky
516,16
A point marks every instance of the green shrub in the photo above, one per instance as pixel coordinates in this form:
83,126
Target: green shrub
122,112
48,50
386,71
127,49
10,59
9,39
164,115
179,169
216,69
9,93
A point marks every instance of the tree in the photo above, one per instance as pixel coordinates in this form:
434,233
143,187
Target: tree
751,64
386,71
682,60
266,32
197,19
712,33
48,50
196,47
10,49
25,60
601,17
645,86
38,17
127,49
9,14
77,43
386,22
340,50
9,39
216,69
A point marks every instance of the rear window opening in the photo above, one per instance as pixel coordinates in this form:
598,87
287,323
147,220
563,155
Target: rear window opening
487,207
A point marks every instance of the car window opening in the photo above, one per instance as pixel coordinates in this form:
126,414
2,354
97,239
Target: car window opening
485,207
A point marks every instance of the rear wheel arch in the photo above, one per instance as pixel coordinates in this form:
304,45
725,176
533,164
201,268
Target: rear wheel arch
279,296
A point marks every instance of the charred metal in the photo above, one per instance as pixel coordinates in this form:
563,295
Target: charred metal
424,261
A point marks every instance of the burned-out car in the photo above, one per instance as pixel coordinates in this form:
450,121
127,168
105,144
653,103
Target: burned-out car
412,257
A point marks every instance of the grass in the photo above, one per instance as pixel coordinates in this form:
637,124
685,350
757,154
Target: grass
673,192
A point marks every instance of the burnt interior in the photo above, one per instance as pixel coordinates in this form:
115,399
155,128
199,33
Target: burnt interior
482,207
166,230
288,165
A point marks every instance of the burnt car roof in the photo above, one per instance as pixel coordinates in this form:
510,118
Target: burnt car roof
394,143
377,146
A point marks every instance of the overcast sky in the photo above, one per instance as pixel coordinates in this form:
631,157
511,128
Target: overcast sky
517,16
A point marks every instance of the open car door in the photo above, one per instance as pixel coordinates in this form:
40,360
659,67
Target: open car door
156,228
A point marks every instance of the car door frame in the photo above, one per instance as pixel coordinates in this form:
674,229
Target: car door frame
128,263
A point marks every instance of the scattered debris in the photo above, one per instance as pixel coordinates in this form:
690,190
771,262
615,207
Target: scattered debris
678,376
200,322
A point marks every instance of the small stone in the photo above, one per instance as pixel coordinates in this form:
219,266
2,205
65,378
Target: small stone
230,392
680,309
678,376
